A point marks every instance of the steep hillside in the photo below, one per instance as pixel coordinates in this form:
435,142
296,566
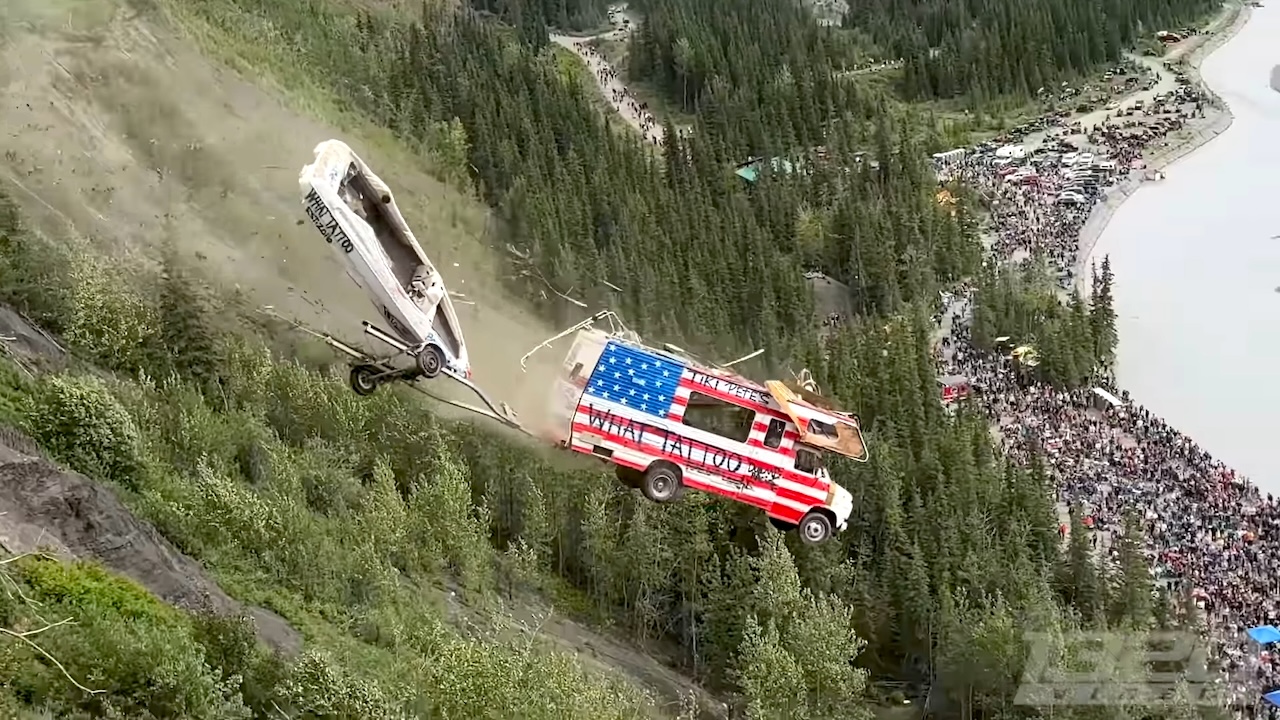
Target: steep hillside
122,132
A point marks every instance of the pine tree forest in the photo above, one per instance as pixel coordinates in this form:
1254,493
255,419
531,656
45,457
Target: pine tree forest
953,551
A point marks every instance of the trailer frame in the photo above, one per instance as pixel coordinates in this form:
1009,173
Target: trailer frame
369,371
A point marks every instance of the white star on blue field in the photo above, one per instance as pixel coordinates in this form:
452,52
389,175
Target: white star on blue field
636,379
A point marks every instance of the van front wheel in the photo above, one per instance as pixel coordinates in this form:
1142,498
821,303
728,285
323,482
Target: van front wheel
815,528
662,483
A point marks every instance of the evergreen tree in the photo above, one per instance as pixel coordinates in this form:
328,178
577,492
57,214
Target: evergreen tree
190,346
1131,604
1080,579
1102,314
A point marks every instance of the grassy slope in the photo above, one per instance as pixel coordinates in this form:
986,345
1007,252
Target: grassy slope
328,623
288,494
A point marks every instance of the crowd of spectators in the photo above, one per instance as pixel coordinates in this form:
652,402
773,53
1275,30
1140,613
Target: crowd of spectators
1212,537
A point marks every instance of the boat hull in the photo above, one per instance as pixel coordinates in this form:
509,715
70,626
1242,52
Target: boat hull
326,186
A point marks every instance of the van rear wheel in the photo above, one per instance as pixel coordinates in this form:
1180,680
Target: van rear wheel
662,483
815,528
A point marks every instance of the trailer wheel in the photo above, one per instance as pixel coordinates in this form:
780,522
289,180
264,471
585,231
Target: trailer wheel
661,483
815,528
430,361
364,379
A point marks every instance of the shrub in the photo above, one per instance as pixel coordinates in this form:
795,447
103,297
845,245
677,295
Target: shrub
80,422
139,652
32,271
116,326
318,688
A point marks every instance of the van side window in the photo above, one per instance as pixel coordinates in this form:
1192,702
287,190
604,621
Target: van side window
808,461
825,429
773,436
577,372
716,416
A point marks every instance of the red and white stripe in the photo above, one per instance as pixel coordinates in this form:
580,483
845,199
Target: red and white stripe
789,497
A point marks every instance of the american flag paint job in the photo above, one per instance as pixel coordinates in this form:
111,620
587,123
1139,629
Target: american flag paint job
635,379
633,405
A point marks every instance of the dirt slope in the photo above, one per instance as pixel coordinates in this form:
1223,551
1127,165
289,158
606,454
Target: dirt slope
119,131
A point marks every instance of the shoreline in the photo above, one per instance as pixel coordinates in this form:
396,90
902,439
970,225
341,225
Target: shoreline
1218,119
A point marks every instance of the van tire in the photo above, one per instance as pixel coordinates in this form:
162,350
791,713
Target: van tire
815,528
661,483
629,477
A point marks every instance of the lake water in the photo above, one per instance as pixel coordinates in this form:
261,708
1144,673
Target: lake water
1197,264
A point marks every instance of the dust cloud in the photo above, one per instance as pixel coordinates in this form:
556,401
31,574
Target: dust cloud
123,133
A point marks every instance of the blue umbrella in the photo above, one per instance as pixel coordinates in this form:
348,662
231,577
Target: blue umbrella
1264,634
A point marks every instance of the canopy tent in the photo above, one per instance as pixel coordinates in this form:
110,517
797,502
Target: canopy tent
750,170
1273,697
1264,634
1108,397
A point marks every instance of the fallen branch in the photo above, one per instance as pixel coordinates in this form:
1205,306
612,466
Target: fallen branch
25,637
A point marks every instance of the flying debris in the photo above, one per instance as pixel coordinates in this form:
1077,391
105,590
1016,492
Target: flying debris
526,269
357,216
668,421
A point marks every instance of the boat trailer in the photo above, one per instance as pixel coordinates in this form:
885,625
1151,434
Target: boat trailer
368,371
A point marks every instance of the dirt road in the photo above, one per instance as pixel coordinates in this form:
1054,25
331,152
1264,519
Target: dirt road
1165,82
608,78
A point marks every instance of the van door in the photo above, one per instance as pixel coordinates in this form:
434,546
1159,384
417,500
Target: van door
766,456
807,464
571,381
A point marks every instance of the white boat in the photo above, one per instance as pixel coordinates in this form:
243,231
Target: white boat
356,214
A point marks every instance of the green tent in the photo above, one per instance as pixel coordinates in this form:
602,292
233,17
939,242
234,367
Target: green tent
750,170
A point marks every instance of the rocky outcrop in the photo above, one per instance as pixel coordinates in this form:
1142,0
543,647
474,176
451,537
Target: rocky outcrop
43,507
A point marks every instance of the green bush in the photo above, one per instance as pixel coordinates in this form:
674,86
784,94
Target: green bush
317,688
137,653
80,422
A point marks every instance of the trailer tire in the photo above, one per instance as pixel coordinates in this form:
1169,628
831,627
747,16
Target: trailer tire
815,528
430,361
662,483
364,379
